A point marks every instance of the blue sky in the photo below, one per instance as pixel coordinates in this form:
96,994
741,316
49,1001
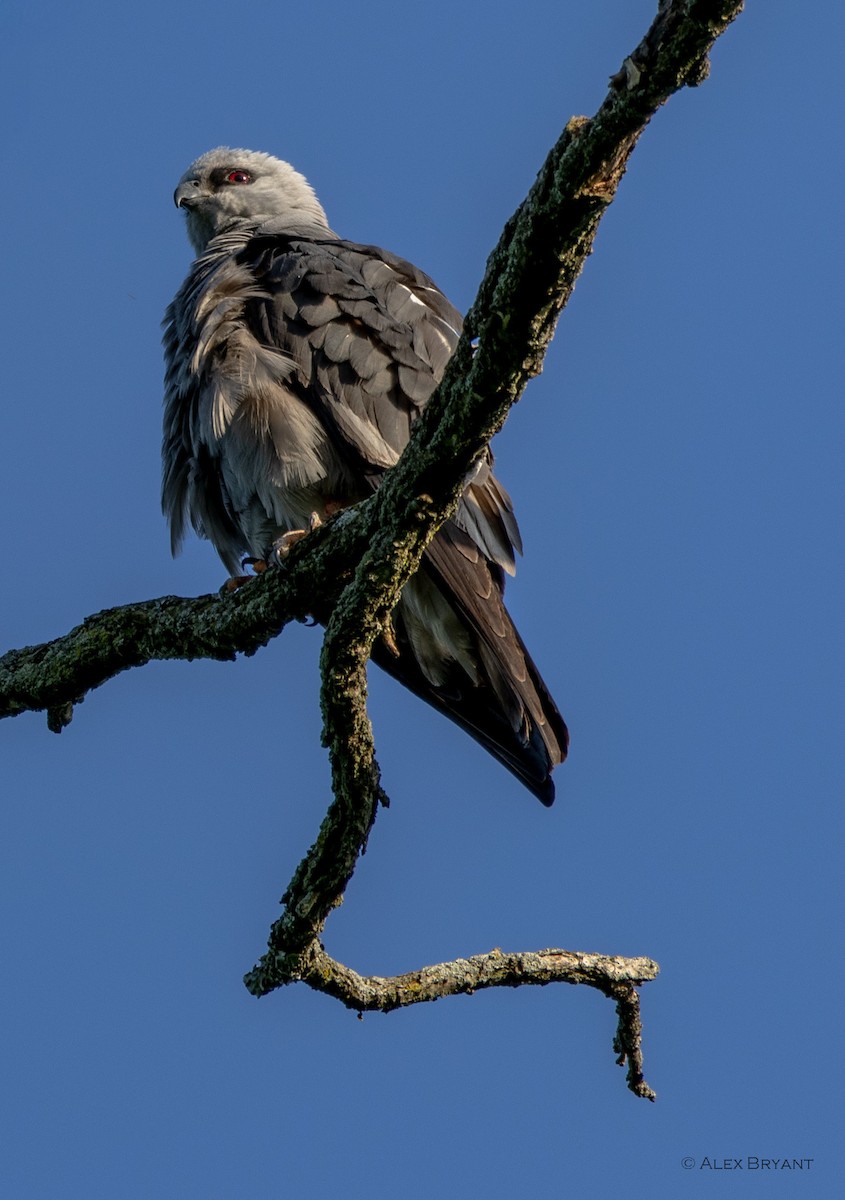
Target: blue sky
677,474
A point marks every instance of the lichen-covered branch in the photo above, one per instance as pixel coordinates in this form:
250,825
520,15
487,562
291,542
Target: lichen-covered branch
350,572
615,977
216,626
322,876
541,252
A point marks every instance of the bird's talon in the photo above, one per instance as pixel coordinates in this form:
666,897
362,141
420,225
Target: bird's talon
235,583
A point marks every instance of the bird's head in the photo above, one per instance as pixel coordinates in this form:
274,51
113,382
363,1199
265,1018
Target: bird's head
225,186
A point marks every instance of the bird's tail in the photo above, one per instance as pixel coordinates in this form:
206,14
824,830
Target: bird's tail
470,663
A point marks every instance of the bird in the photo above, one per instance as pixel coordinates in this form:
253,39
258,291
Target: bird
296,363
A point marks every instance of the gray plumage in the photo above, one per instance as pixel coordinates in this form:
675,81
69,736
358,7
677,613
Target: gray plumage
296,365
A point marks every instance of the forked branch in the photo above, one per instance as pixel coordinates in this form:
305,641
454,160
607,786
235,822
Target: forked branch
352,569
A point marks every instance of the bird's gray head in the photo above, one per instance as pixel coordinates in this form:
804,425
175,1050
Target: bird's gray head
225,186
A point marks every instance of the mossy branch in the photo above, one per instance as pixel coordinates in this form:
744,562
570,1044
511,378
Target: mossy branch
350,572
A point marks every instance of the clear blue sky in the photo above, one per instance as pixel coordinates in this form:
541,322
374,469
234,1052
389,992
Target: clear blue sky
677,471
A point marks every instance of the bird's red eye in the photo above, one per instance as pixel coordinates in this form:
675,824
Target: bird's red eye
239,177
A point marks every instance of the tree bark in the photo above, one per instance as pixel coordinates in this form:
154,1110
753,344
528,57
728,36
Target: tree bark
353,568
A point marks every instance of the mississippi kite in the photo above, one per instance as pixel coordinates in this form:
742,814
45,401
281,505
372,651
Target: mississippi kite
296,365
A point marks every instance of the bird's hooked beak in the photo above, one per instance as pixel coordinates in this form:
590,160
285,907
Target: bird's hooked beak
188,194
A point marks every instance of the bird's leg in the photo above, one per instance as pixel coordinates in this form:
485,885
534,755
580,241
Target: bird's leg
281,548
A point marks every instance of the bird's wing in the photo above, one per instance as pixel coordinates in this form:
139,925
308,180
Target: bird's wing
371,335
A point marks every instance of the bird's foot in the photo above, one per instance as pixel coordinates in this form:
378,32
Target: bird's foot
281,549
284,544
234,583
259,566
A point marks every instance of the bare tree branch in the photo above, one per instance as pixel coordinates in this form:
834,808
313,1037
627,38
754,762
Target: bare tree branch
529,277
614,977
